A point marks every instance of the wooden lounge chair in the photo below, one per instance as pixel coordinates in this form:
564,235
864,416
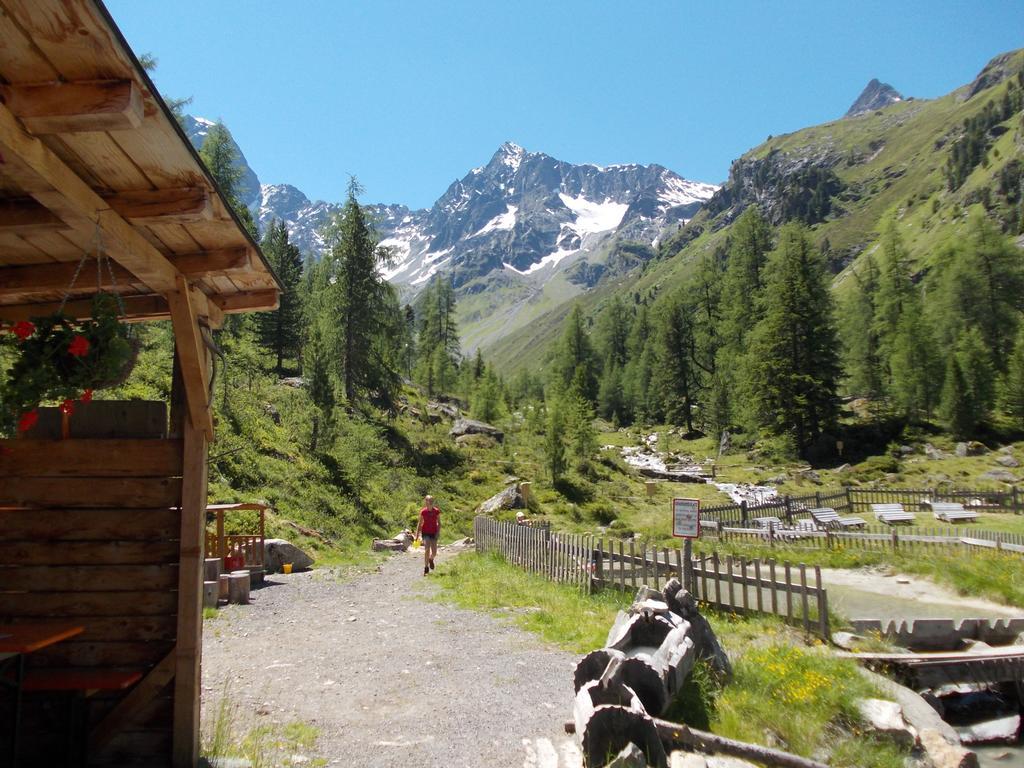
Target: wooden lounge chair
892,514
827,517
766,523
951,512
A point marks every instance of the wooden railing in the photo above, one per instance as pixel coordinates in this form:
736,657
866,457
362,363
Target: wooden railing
733,584
877,537
250,547
858,501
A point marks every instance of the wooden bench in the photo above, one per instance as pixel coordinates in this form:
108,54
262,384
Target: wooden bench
950,511
766,523
80,684
827,517
892,514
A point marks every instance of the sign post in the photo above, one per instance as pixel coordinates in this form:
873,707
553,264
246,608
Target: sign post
686,525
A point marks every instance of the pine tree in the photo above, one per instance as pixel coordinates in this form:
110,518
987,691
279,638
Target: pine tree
793,363
575,364
581,427
957,410
636,378
438,341
893,297
361,308
978,371
614,335
861,348
318,383
280,331
1012,386
221,160
916,367
676,378
554,438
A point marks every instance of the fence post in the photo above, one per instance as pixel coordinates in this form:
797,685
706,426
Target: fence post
1016,500
599,563
817,499
895,540
849,500
822,604
789,510
743,512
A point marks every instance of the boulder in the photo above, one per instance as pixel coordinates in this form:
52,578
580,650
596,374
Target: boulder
475,441
885,718
277,552
942,754
1007,460
1001,730
904,450
510,498
999,475
473,427
444,409
292,381
844,468
972,448
933,453
631,756
847,640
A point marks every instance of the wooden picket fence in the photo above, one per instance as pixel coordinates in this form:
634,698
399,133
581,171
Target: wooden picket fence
858,501
733,584
873,537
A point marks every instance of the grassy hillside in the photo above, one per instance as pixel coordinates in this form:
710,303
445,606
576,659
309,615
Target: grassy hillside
889,163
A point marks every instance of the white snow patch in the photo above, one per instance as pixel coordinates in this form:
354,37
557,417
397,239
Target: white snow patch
431,272
551,259
682,192
594,217
506,220
506,265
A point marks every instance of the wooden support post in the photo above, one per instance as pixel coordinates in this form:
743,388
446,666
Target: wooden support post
190,596
757,577
632,564
775,594
622,568
789,594
192,355
803,598
822,604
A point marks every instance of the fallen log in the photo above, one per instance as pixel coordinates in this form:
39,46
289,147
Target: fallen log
609,717
679,735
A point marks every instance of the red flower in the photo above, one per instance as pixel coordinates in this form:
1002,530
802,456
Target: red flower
27,421
23,329
79,346
67,407
86,396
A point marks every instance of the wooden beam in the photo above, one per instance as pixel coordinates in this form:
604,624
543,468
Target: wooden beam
184,205
98,105
192,356
247,301
47,278
163,206
41,173
26,217
190,590
123,714
137,309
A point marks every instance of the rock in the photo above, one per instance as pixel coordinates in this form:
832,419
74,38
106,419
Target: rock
933,453
293,381
960,450
444,409
904,450
631,756
886,719
272,412
277,552
971,448
473,427
916,711
844,468
475,441
847,640
510,498
1002,730
810,474
1000,475
1007,461
681,759
942,754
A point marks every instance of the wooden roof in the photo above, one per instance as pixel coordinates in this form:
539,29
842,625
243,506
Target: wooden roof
89,153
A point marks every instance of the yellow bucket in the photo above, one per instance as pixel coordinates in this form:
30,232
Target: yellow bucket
286,567
416,544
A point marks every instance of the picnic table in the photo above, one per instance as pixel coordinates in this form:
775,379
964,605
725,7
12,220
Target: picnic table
16,641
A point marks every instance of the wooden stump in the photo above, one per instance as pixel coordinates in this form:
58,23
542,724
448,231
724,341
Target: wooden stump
211,568
222,586
238,587
608,717
652,488
211,593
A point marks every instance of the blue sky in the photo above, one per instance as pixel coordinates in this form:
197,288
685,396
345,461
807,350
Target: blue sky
408,96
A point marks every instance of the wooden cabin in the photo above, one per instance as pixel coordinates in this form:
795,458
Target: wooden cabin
108,533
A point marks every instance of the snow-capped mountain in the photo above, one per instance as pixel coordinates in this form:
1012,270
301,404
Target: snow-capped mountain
523,213
196,129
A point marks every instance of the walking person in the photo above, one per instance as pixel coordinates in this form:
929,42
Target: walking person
429,528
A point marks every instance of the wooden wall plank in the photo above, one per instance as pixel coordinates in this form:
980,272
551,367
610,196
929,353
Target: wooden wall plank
89,524
126,628
125,655
86,604
129,493
87,578
54,553
90,458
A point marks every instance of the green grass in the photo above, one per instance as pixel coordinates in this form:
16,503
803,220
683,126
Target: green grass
784,691
270,745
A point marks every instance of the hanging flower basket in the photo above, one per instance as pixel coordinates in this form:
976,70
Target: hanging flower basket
60,359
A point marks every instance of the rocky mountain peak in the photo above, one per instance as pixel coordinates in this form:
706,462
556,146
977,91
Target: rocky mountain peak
874,96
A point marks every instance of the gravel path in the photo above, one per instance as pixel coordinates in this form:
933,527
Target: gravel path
389,676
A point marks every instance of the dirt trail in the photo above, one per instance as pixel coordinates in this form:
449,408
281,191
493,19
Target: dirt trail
407,681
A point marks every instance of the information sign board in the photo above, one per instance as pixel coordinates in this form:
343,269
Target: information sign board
686,518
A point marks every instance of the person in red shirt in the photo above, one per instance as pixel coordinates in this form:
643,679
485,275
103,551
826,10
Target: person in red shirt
429,528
